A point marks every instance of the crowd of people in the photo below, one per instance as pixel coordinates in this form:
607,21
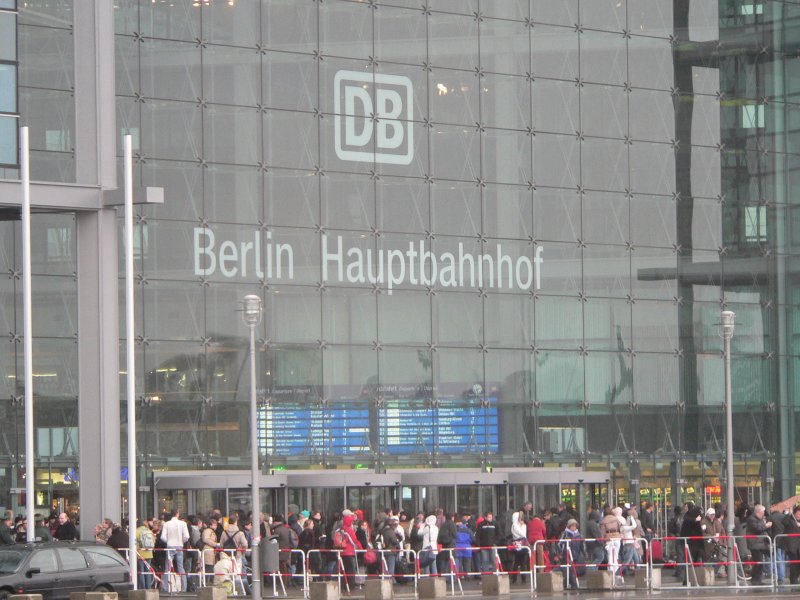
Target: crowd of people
175,553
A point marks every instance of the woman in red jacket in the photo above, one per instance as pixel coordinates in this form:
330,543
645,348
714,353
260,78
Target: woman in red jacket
347,543
537,531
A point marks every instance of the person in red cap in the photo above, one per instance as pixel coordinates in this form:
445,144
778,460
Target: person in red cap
345,541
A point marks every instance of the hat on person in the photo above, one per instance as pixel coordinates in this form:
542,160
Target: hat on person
572,522
394,519
711,511
305,513
347,512
627,506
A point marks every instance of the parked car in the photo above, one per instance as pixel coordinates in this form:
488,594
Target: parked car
55,569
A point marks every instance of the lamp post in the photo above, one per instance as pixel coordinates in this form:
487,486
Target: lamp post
252,317
727,334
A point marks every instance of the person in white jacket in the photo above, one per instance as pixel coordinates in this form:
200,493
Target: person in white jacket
630,530
522,551
430,534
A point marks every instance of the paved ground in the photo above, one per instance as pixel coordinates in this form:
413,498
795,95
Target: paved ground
671,592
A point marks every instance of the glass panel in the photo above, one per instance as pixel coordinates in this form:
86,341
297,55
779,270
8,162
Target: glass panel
453,41
8,36
48,57
455,208
8,140
400,35
232,75
505,45
559,322
175,79
231,23
232,135
555,51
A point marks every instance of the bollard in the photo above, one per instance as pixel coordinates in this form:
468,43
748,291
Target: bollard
324,590
600,580
432,587
378,589
93,596
143,595
212,592
642,583
495,585
550,583
705,576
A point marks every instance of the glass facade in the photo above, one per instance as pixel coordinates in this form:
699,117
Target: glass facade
8,83
486,232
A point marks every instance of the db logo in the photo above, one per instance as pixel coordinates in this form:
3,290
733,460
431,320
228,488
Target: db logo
373,117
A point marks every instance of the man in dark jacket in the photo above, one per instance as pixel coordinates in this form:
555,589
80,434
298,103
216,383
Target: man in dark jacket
66,529
757,526
487,535
447,538
776,518
595,550
791,543
6,533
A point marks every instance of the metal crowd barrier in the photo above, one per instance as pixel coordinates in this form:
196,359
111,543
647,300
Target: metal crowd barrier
328,571
789,562
165,579
686,564
612,551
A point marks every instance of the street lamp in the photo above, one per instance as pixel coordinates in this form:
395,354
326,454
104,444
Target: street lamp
252,317
727,334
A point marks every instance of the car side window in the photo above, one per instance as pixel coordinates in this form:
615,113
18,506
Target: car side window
102,556
71,559
45,561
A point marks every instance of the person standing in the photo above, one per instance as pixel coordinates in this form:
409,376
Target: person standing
757,527
210,542
145,542
175,534
66,530
487,536
791,543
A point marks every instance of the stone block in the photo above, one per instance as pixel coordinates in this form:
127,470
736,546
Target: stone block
705,576
495,585
25,597
212,592
599,580
642,582
143,595
432,587
550,583
93,596
324,590
378,589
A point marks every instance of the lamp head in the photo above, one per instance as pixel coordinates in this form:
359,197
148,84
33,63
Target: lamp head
252,310
727,324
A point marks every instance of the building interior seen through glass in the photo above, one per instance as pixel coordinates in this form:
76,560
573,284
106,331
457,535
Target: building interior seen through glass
523,263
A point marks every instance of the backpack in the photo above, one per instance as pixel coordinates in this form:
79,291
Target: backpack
147,539
230,541
339,538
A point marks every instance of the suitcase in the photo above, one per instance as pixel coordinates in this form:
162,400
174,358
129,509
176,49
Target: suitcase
657,551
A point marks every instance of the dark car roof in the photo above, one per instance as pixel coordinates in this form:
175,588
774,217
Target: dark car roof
53,544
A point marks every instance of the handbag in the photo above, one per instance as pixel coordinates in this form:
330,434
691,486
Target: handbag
370,557
426,558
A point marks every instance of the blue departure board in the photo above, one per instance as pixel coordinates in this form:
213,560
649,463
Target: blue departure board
403,426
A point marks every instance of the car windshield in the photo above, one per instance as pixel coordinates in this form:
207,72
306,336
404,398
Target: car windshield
11,559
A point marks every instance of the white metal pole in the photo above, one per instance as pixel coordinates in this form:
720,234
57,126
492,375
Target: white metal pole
254,471
131,364
27,332
727,334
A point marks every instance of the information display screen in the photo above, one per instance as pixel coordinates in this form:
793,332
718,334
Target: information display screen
407,426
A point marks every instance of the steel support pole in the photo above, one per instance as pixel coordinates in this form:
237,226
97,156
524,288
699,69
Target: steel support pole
727,333
27,330
254,470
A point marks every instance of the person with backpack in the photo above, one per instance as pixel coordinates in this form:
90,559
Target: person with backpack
234,542
210,548
145,542
287,541
465,539
390,542
346,543
447,540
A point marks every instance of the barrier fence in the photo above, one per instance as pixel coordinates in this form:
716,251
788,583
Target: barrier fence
759,561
